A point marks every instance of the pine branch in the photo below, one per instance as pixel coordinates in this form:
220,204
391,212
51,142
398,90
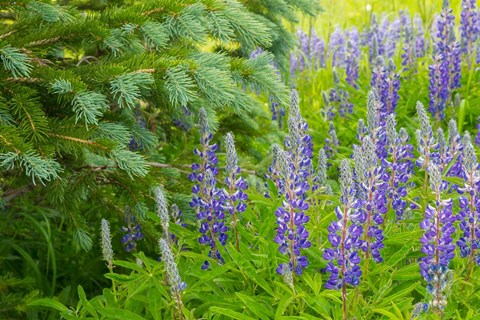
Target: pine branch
15,61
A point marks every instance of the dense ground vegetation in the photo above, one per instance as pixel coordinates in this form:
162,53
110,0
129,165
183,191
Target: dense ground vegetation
227,159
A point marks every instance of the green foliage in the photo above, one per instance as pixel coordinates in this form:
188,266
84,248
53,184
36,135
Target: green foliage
97,104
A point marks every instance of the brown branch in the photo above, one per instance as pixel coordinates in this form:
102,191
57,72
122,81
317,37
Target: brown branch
82,141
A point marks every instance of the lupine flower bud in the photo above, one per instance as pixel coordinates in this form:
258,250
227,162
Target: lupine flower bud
176,283
336,48
331,143
107,251
162,210
425,139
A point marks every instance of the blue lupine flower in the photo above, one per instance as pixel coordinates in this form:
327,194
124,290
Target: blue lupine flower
437,242
336,48
468,27
345,236
400,166
298,142
339,99
291,234
376,119
208,200
352,57
295,166
469,242
372,182
393,34
420,36
235,196
132,230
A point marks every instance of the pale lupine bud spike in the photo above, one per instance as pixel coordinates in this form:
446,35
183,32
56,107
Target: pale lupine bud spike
346,178
442,143
373,106
328,190
392,134
203,122
162,209
107,251
325,98
457,100
403,135
231,161
176,283
333,135
283,163
322,167
425,126
294,104
360,163
469,156
369,152
418,309
452,132
435,176
361,129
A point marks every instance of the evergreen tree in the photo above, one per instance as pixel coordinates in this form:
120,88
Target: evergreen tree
93,98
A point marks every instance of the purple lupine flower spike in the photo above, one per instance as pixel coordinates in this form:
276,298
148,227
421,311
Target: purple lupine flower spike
291,234
468,28
345,236
236,198
400,165
352,57
390,88
437,243
132,230
419,36
336,48
273,173
208,200
477,136
376,118
469,242
393,34
295,164
339,99
373,183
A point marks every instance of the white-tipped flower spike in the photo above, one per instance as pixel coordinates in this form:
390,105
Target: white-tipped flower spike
176,283
424,135
107,251
322,167
162,210
424,120
469,156
361,129
360,164
203,122
373,110
346,178
231,161
392,135
435,176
